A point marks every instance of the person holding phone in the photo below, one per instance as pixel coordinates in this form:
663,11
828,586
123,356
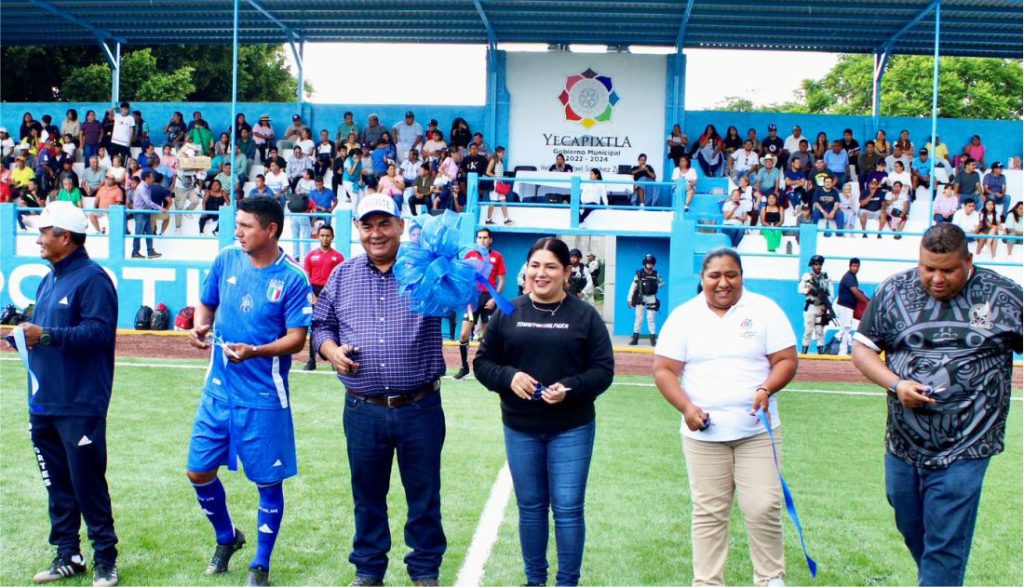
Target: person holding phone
548,364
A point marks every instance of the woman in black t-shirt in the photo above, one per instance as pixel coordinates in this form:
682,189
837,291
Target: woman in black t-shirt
548,363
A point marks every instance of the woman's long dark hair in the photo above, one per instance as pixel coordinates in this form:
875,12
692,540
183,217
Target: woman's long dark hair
556,246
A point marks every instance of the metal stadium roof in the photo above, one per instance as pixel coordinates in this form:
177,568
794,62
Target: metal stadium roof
978,28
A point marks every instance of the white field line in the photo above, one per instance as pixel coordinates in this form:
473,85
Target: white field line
134,365
472,572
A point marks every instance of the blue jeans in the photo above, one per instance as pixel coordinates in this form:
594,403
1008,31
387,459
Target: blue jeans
300,230
549,471
143,227
838,221
935,511
373,435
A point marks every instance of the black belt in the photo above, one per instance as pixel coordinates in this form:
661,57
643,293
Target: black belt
397,401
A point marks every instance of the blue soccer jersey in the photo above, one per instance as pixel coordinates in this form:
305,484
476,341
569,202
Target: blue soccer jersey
254,306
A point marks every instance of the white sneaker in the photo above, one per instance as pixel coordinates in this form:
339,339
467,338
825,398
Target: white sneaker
775,582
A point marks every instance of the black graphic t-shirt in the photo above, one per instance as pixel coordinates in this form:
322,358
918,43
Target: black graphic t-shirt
964,347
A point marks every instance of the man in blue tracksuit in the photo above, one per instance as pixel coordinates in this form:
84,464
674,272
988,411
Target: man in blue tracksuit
71,353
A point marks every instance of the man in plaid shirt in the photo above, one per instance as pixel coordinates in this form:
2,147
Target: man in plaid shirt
389,360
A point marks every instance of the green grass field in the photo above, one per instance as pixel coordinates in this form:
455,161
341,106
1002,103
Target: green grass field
638,511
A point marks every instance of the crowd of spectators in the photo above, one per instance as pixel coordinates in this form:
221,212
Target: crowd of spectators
839,184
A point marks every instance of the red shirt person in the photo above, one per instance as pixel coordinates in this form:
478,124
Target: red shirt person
318,264
485,305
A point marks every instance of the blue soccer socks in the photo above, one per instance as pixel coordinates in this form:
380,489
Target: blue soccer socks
214,502
268,523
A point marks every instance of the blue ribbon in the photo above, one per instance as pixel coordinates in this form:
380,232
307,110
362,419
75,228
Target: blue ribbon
435,274
33,381
790,504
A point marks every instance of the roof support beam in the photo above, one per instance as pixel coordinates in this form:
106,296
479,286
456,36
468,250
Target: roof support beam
292,35
114,60
100,34
492,38
913,22
681,36
884,51
295,41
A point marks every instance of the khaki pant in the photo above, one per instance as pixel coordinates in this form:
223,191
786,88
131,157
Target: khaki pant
716,471
813,330
185,199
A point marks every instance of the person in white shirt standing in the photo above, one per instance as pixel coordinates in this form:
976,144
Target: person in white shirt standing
124,128
721,357
408,134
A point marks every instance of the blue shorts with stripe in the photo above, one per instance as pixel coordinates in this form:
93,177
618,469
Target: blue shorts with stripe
264,440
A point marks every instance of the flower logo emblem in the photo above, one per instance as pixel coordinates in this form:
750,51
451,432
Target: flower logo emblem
588,98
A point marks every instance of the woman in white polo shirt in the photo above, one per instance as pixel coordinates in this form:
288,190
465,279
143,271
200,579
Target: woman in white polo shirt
720,357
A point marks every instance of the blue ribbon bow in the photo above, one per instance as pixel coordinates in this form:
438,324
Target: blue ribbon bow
435,274
790,504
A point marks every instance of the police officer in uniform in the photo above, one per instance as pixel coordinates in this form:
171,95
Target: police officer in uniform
816,286
643,295
580,284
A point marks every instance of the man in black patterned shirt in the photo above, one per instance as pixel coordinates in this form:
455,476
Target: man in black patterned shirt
949,331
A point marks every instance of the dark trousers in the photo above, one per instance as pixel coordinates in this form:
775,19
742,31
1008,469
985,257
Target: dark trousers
374,434
72,455
935,512
123,151
549,473
312,352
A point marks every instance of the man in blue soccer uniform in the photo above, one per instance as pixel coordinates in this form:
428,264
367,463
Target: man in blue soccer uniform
258,302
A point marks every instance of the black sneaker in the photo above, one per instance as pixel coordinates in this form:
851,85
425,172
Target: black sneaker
104,575
258,576
461,374
63,566
137,256
154,255
310,366
222,555
363,581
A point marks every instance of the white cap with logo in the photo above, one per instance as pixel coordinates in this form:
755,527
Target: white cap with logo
377,204
63,215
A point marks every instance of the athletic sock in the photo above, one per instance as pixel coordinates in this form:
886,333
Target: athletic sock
268,523
464,353
214,502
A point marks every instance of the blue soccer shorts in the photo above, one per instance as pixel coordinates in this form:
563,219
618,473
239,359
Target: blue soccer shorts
264,440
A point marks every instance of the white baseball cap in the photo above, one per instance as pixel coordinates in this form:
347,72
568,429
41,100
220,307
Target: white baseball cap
64,215
377,204
3,129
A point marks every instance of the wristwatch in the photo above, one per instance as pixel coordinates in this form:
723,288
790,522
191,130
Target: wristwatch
764,388
45,338
892,388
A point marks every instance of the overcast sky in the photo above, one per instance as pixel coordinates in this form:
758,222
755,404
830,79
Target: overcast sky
455,74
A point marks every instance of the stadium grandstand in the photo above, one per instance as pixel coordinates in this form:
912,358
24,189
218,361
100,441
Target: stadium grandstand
588,111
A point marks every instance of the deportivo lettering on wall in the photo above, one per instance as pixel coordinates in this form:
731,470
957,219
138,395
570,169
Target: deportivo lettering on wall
136,286
596,110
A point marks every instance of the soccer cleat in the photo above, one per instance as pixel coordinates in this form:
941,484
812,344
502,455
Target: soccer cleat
310,366
104,575
635,340
803,350
63,566
222,555
258,576
426,583
462,373
654,340
363,581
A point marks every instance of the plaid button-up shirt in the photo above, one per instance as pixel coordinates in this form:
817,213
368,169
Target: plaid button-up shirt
399,350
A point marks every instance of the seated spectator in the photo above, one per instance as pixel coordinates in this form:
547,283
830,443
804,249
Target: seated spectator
826,207
214,198
975,150
768,178
117,170
773,145
868,161
381,158
731,142
872,205
421,187
561,166
459,136
899,174
440,192
457,200
140,132
941,152
6,147
263,136
821,144
389,144
291,135
201,137
848,207
347,128
920,170
771,216
67,172
392,184
743,161
733,214
21,175
686,176
433,147
451,164
323,154
946,204
68,147
676,143
642,173
481,146
990,225
795,184
803,153
174,129
277,181
752,137
410,169
246,145
879,173
305,142
805,215
298,163
897,155
352,182
850,145
882,144
897,206
1013,225
241,124
994,188
372,132
69,193
968,182
196,117
134,170
322,201
710,156
274,157
792,143
752,202
261,189
594,194
838,163
226,178
903,142
408,134
968,219
30,197
107,195
145,155
306,184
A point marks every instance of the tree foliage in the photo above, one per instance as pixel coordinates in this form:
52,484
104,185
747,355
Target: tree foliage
162,74
968,88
